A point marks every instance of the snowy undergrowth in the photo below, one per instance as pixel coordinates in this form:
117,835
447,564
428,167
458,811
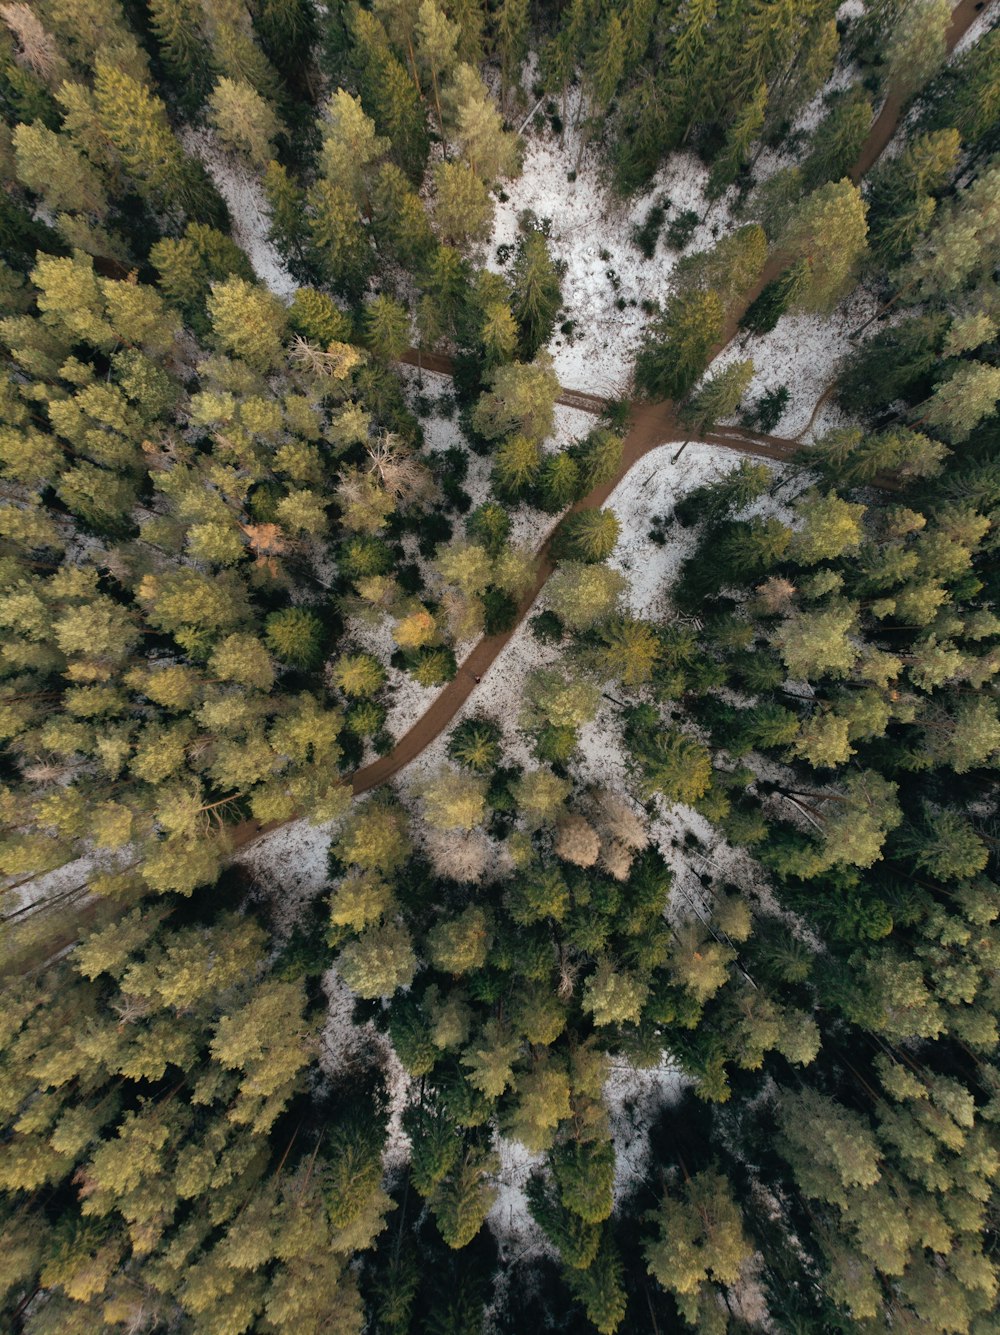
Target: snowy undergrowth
289,868
586,218
248,211
635,1097
803,353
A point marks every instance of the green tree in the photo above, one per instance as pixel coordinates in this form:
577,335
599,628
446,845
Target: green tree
537,295
582,595
295,635
678,343
522,399
838,139
587,535
248,322
699,1243
245,122
463,209
828,232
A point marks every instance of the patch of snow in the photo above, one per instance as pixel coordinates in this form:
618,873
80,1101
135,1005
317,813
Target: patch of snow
289,866
248,210
803,353
344,1045
651,489
516,1232
634,1098
987,18
587,218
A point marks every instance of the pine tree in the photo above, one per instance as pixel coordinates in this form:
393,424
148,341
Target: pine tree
351,148
718,397
436,39
463,1198
588,535
388,94
342,249
294,635
386,329
627,650
379,962
463,209
135,123
521,399
245,122
537,295
837,141
701,1243
918,45
490,150
452,801
63,179
582,595
600,1288
744,129
828,232
678,344
558,482
248,322
511,43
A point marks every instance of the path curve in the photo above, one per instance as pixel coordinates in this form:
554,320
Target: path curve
651,425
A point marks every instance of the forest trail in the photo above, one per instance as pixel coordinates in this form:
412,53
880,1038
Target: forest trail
651,425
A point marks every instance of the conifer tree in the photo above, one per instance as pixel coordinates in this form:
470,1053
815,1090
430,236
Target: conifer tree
244,120
522,399
587,535
837,141
828,231
248,321
537,295
678,343
918,46
701,1242
717,398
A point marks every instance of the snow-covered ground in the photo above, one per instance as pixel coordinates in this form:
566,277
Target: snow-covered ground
587,219
248,212
803,353
635,1097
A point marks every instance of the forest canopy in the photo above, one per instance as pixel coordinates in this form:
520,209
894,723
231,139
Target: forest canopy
498,657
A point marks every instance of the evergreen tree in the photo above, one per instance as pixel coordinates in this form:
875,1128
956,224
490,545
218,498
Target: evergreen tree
537,295
678,343
828,232
587,535
244,121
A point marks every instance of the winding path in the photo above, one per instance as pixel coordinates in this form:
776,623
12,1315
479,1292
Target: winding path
651,425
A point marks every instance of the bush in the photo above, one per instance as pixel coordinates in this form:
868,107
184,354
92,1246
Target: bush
682,229
499,612
646,234
546,627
